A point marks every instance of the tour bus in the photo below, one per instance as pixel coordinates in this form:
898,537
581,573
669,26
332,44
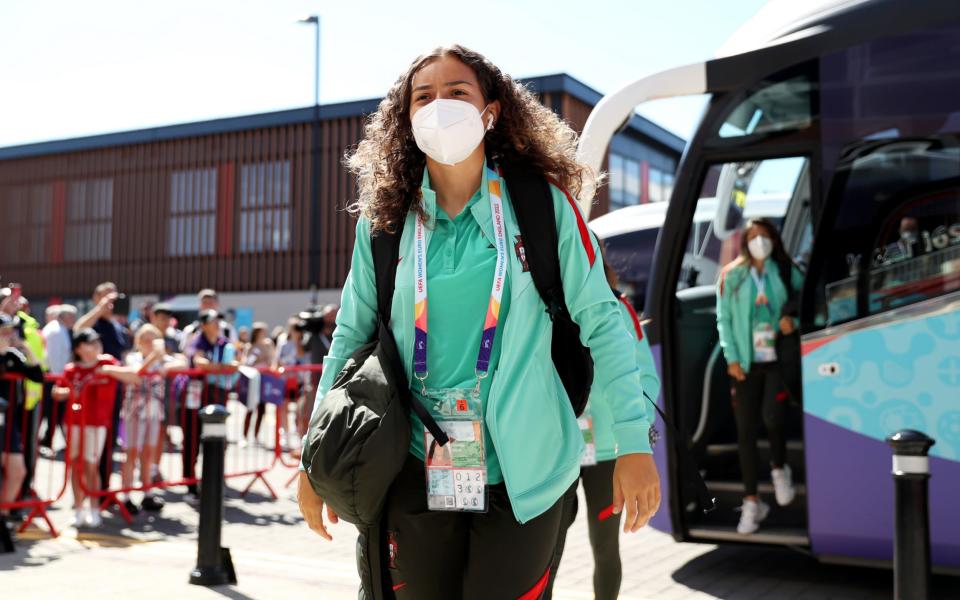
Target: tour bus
630,234
852,109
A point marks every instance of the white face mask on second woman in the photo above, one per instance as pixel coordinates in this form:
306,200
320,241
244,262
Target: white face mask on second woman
760,247
448,131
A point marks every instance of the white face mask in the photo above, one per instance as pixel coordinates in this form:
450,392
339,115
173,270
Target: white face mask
448,131
760,247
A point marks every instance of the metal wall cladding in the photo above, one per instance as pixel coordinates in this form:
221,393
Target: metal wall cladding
233,211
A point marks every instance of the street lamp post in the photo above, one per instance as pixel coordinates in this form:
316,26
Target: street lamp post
315,21
313,259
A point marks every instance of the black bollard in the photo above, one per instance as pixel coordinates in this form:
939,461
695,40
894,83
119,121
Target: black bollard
911,538
214,565
6,540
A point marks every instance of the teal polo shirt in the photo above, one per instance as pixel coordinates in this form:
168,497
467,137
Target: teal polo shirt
460,266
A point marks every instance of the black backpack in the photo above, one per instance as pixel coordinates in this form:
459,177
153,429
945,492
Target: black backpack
538,231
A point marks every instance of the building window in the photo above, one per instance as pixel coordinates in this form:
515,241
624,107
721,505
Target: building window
25,228
88,233
661,185
624,181
191,229
265,206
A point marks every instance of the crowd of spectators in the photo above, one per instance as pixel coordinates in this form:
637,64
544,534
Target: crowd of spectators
111,387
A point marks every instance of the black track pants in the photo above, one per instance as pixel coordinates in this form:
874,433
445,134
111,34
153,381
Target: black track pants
451,555
759,394
603,529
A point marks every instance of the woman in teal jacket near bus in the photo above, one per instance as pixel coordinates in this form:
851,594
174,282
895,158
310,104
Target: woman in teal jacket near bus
750,300
438,139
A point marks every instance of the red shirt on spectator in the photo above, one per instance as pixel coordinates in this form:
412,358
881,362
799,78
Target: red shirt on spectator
96,392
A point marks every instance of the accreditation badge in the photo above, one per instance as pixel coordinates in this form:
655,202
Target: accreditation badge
194,394
764,343
585,421
457,471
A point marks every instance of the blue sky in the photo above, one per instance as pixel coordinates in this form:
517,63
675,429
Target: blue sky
78,68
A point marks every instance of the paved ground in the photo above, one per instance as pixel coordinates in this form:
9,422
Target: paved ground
276,556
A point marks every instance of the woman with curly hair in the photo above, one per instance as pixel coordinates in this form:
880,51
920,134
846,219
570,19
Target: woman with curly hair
430,168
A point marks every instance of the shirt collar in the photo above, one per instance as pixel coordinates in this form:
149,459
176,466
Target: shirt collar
478,205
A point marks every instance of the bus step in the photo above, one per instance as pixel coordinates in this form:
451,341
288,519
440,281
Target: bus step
736,487
732,448
784,536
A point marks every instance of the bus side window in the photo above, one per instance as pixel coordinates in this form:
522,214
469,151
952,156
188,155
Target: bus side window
895,212
917,252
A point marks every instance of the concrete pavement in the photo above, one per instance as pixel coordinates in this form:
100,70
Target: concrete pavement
277,556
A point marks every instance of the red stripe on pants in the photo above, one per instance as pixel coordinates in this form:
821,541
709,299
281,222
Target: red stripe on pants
537,590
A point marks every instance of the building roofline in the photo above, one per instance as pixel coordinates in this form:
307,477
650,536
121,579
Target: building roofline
560,82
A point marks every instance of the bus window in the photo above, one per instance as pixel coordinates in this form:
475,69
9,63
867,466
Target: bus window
761,188
631,254
917,254
898,204
773,107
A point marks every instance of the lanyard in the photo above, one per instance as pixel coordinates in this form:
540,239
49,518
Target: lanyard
761,283
496,293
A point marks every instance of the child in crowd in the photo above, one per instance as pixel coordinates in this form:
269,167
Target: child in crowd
259,353
143,411
90,386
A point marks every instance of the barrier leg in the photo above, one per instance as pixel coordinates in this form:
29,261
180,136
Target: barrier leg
911,540
259,477
214,565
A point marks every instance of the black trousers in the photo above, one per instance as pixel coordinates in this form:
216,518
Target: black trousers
457,555
191,425
604,533
760,394
53,413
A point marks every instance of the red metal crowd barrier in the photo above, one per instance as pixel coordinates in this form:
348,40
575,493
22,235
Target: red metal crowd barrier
298,397
158,427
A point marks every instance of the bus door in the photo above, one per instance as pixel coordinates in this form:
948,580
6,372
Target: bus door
777,189
881,343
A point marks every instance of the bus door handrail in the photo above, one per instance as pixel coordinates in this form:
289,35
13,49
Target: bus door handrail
705,395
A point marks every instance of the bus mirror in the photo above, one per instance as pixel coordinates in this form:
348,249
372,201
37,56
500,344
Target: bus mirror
732,186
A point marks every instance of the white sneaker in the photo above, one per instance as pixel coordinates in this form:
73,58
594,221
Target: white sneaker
79,518
751,513
93,518
783,485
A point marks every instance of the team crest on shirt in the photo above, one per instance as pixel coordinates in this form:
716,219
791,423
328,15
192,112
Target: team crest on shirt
521,254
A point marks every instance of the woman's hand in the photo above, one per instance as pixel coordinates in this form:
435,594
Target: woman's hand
736,371
786,325
311,507
636,485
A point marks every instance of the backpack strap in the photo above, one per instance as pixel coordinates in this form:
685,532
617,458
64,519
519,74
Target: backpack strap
385,247
538,226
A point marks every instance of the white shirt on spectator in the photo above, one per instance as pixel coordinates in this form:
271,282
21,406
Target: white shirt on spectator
59,346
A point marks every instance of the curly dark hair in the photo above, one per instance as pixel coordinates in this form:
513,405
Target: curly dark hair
389,165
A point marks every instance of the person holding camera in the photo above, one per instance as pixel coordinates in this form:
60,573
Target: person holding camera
102,318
